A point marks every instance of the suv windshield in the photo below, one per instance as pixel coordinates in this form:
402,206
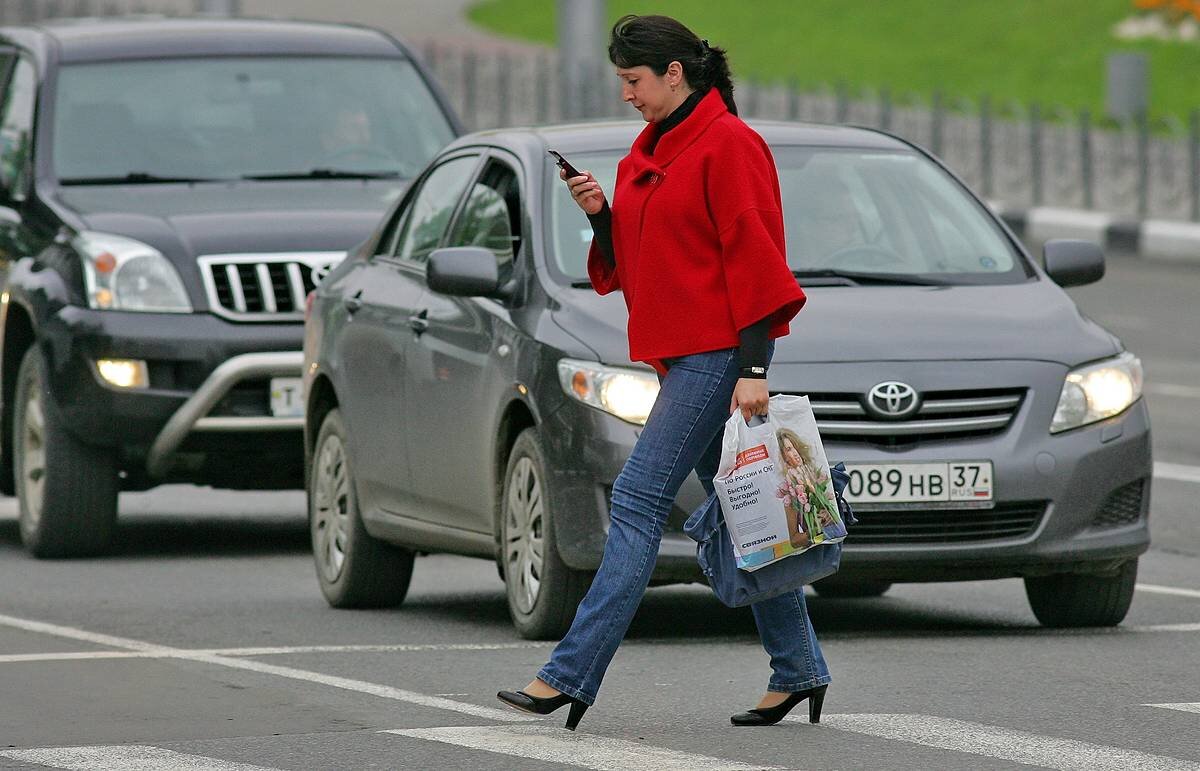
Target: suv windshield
225,118
870,216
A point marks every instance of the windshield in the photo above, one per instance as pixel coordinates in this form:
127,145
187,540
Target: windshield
225,118
885,215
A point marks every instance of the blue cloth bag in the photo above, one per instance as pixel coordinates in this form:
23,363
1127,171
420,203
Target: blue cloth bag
735,587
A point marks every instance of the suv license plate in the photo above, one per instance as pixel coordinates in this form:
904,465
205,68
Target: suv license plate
919,482
285,397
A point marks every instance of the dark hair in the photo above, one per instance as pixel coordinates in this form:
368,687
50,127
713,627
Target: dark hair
656,41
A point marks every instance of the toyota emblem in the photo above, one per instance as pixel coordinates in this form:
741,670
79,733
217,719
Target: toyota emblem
893,399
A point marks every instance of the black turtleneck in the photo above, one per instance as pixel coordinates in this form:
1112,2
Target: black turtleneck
752,351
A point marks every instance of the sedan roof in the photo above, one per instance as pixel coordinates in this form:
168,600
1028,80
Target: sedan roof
618,136
139,38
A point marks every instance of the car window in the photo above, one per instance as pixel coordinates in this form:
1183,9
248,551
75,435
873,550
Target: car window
491,216
431,208
227,117
844,209
16,129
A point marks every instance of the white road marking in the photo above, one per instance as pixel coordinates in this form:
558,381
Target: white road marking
1176,472
1164,628
280,650
361,686
554,745
1171,389
1185,707
1174,590
124,757
1002,743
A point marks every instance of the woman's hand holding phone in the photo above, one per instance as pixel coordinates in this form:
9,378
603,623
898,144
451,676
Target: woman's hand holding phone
585,190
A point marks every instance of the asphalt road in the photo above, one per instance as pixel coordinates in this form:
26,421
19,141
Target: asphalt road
204,644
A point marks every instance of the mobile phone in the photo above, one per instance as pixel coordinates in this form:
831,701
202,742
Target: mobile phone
564,164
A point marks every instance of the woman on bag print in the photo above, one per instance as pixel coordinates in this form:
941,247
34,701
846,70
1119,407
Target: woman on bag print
693,237
807,493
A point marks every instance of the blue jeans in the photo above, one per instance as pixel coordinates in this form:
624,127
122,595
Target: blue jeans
682,433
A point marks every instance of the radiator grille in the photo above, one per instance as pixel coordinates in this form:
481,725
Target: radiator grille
1122,507
942,415
910,526
263,287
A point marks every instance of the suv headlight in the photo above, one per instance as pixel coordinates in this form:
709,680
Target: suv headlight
122,274
1098,391
626,393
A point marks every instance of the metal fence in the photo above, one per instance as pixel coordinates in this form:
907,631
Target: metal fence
1017,155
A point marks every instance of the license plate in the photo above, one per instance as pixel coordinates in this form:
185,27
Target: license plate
955,481
285,397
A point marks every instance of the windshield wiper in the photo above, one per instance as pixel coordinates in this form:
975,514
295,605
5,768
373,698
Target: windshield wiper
134,178
865,277
325,174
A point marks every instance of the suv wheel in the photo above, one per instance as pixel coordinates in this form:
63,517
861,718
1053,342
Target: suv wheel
355,570
829,587
66,490
542,591
1081,599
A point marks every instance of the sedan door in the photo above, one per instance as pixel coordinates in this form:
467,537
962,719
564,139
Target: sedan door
382,302
461,366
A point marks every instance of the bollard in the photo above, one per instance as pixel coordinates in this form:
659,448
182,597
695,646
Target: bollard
793,106
843,104
1143,162
29,11
1035,153
542,84
885,109
1086,173
504,89
1194,157
935,125
985,146
470,110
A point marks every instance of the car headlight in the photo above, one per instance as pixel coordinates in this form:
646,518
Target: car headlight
122,274
1098,391
626,393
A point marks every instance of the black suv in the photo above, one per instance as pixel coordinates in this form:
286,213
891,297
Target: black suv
170,193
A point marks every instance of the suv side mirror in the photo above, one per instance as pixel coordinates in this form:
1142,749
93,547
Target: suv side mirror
1071,262
463,271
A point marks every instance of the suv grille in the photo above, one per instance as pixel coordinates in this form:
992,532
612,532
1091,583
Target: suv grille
263,287
904,526
942,415
1122,507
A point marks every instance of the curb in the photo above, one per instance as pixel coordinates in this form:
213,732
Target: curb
1166,240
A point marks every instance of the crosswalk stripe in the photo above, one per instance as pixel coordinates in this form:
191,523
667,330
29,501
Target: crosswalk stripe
1183,707
1176,471
1175,590
554,745
1002,743
124,757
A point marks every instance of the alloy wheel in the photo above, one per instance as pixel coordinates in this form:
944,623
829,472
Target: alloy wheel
523,527
33,458
331,507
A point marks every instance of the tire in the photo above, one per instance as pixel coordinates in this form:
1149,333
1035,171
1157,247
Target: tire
839,588
66,490
1082,599
543,592
354,569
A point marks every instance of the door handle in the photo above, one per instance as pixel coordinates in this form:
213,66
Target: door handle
418,321
353,302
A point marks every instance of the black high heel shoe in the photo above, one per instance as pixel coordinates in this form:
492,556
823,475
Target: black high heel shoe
545,705
772,715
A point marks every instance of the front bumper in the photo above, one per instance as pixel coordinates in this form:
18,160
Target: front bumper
1069,478
201,419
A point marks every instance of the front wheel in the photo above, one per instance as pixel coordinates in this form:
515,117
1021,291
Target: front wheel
1082,599
543,592
66,490
355,570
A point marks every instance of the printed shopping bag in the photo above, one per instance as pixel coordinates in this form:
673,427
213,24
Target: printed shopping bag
774,485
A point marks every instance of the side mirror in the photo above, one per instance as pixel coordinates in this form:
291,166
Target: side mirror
463,271
1073,263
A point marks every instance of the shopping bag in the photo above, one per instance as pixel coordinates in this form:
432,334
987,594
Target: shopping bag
737,588
774,485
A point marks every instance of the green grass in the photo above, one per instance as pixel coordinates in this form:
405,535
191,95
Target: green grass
1047,51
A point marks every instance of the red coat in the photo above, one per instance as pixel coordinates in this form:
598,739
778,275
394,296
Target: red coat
698,235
